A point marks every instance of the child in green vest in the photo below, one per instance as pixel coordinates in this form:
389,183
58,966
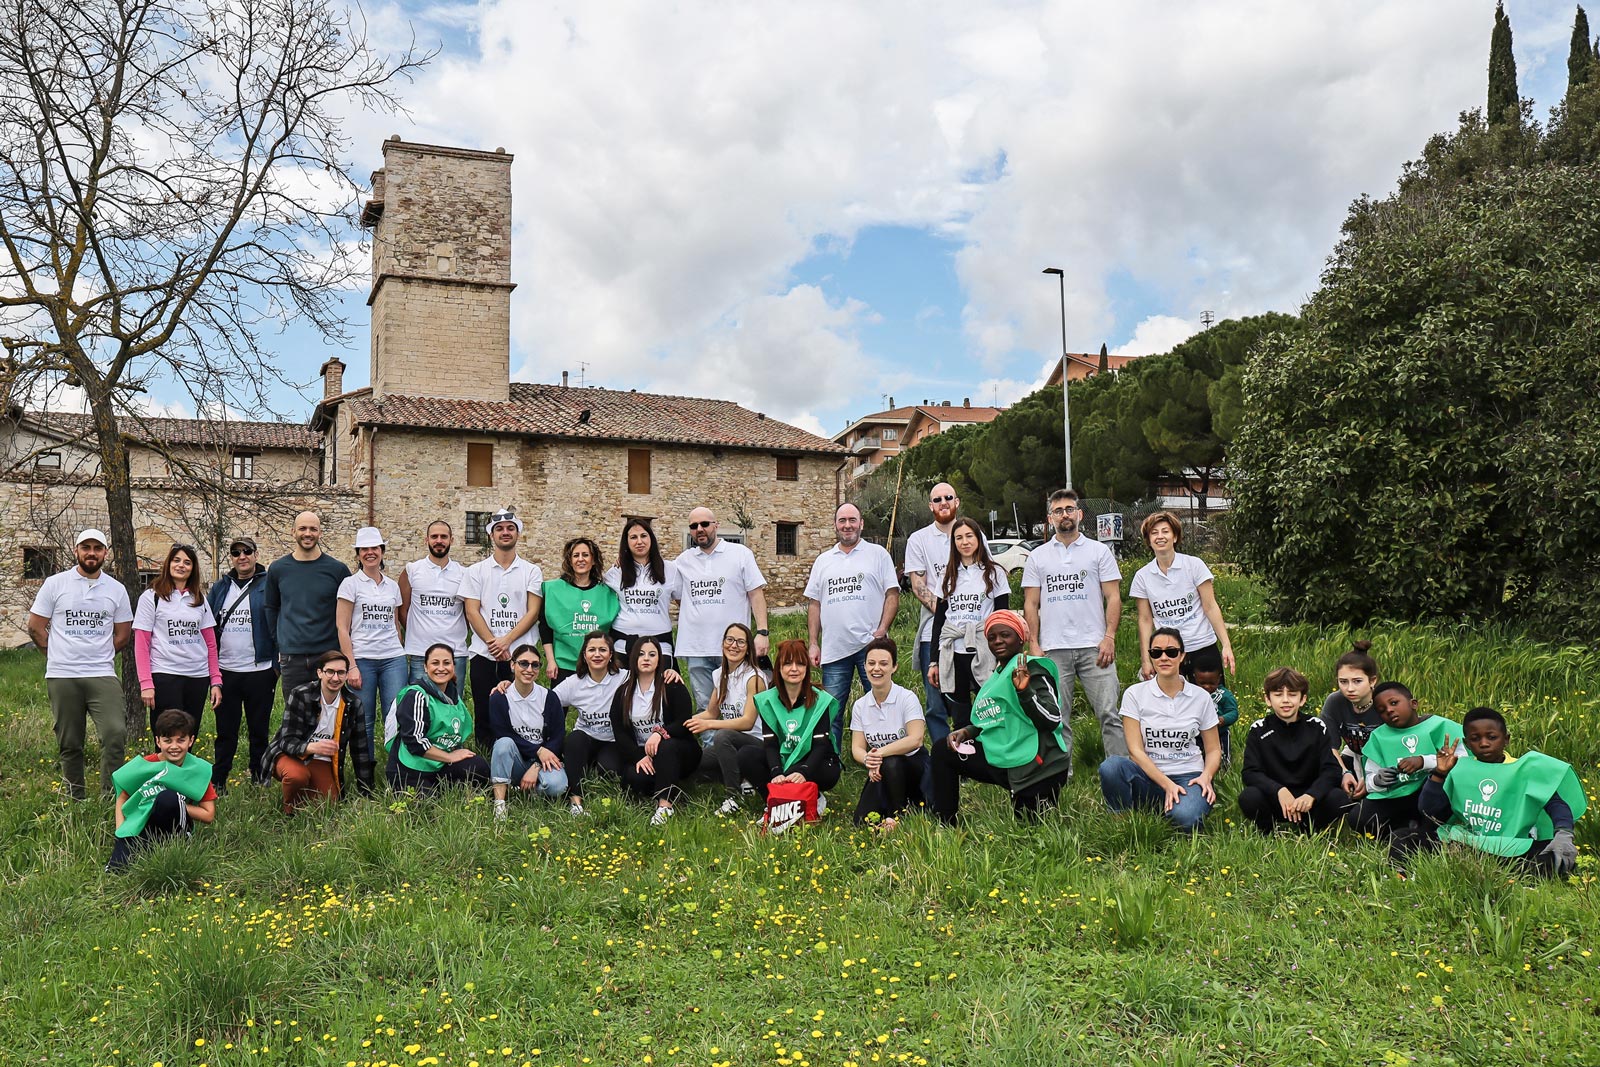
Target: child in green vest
1398,756
1523,808
159,794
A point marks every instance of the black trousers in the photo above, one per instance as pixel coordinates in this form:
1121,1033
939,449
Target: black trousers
182,692
1405,844
753,769
252,693
296,669
169,817
898,776
675,760
581,753
1387,815
1263,808
474,771
949,767
484,674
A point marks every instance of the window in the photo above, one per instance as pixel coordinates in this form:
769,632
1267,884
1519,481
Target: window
788,538
244,465
38,563
724,533
639,471
480,464
145,578
47,461
788,468
478,527
888,435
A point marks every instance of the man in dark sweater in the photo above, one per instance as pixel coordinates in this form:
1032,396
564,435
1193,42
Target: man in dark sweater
1289,773
301,601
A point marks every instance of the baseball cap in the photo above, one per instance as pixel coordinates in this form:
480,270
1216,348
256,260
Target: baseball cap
91,534
247,542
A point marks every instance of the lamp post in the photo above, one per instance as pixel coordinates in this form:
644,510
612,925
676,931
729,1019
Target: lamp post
1066,418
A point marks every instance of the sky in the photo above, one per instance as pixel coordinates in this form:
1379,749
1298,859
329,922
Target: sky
809,208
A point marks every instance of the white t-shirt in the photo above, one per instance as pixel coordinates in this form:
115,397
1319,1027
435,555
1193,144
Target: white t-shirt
436,614
850,588
1171,725
885,723
645,605
592,700
928,552
326,720
1175,598
733,696
644,715
713,592
175,625
969,602
374,616
502,596
527,713
83,613
236,642
1072,609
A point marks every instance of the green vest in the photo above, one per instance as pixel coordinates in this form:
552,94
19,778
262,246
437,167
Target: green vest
794,726
1499,807
1009,737
1386,747
573,613
448,726
144,780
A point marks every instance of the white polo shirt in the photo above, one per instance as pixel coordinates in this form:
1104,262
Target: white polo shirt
885,723
175,625
928,552
1171,725
1175,598
850,588
592,700
713,593
527,713
644,608
83,613
374,615
502,596
436,615
1072,609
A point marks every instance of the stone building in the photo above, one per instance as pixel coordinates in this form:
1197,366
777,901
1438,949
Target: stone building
441,431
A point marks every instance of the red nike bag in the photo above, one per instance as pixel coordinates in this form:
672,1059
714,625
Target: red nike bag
789,804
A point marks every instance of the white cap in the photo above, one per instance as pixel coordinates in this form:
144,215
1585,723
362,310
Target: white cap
369,537
91,534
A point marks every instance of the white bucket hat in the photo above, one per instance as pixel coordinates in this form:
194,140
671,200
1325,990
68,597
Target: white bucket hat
369,537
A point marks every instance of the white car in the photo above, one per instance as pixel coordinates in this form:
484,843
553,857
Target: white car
1011,552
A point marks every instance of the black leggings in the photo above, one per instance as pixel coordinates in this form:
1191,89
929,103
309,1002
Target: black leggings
182,692
753,767
580,752
949,767
897,776
473,771
675,760
1263,807
169,817
483,674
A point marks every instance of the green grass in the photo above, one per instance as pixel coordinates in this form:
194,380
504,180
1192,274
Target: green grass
408,932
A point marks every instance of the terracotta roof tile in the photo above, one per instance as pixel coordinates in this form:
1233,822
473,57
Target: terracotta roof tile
200,432
556,411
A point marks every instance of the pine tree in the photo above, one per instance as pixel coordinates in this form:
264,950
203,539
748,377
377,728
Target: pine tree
1580,56
1504,105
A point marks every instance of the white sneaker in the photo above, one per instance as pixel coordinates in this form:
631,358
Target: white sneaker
745,788
661,816
576,808
500,811
822,803
731,806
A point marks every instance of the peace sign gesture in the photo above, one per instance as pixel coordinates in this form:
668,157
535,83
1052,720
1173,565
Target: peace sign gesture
1446,757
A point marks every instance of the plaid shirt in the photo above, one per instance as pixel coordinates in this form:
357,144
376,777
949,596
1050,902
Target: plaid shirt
301,712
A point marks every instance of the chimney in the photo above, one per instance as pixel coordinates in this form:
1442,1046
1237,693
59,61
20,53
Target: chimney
891,403
563,379
966,401
332,377
944,403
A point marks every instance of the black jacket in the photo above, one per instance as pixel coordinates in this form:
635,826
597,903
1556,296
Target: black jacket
677,707
1297,756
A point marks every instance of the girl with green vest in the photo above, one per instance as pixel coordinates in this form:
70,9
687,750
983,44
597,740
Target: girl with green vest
1017,738
160,794
1523,809
799,720
1398,756
575,605
431,726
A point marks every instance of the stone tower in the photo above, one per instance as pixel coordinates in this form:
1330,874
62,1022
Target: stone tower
441,272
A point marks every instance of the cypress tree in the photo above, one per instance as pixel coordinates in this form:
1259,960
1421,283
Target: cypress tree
1504,105
1580,56
1105,360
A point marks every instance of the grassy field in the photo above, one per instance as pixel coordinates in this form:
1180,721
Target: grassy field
395,931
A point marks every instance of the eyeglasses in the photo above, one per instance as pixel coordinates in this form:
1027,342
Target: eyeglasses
333,672
950,499
702,525
737,642
1065,511
236,552
527,664
1166,652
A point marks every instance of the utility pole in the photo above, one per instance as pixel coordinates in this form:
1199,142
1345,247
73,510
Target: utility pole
1066,416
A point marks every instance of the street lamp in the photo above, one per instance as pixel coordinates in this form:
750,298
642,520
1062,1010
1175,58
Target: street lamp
1066,418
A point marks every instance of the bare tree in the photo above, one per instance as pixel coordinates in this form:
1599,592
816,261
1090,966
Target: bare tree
173,187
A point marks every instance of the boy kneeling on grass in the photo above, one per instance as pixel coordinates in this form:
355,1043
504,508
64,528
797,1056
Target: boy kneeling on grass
1289,773
1399,755
1523,809
158,794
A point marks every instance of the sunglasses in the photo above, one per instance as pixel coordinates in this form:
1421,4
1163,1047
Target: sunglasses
942,499
241,552
702,525
527,664
1166,652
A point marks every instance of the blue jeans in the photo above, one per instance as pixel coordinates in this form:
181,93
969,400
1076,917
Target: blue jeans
415,672
698,670
385,677
506,767
1125,786
837,678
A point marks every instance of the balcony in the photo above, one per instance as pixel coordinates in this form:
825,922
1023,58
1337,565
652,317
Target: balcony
865,445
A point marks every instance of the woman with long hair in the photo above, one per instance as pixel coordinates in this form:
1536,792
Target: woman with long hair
729,723
799,717
591,742
431,727
368,617
575,605
1178,590
974,587
175,640
648,716
646,584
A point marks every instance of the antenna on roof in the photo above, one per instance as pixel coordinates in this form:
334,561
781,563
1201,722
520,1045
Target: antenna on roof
1206,319
583,373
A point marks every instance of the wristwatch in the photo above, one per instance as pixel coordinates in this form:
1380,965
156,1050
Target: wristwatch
763,633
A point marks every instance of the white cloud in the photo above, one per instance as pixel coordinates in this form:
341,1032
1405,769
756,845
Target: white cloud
1156,334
